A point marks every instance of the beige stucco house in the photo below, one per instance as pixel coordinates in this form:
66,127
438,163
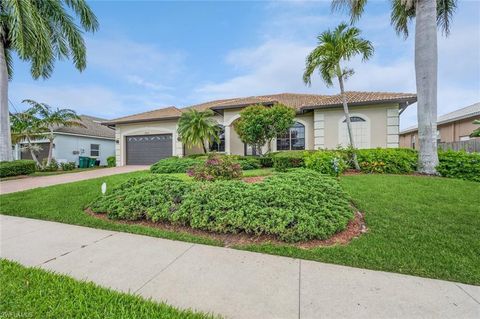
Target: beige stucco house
451,127
146,137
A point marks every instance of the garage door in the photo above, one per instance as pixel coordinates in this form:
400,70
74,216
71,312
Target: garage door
148,149
41,153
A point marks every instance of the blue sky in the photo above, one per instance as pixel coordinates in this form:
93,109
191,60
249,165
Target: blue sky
152,54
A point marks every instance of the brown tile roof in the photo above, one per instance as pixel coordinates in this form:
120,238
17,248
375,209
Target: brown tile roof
295,100
159,114
310,101
92,127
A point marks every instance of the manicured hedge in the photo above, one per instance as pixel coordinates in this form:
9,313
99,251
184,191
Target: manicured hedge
294,206
387,160
460,164
327,162
287,159
174,165
14,168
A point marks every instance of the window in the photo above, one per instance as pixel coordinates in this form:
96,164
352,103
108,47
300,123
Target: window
94,149
360,131
293,139
219,146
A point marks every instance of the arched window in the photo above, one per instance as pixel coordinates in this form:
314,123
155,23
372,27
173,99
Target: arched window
293,139
360,131
218,146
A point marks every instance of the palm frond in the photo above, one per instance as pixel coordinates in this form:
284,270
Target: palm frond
445,11
353,7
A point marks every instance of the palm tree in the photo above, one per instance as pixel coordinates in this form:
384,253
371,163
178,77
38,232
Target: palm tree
52,119
196,127
428,14
335,47
27,127
39,32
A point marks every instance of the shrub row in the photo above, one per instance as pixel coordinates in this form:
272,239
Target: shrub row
461,165
294,206
174,165
14,168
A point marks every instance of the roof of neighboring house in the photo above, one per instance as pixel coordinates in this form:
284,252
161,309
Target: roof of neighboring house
300,102
92,127
170,112
460,114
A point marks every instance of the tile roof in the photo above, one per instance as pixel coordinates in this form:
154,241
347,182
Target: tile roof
295,100
309,101
158,114
465,112
92,127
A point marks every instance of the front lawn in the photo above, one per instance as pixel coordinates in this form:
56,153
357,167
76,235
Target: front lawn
35,293
420,226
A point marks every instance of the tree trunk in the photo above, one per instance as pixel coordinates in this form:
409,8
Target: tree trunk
426,60
5,135
50,148
204,148
347,119
32,153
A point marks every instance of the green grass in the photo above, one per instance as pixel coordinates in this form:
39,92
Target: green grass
35,293
420,226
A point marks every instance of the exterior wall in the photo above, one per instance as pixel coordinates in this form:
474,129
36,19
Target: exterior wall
146,128
448,132
382,122
66,145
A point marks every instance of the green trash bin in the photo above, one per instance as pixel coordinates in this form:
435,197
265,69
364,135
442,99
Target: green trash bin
83,162
91,162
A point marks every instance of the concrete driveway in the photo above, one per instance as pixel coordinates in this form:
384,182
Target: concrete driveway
232,283
18,185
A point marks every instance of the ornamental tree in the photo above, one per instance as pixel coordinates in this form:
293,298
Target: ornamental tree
259,124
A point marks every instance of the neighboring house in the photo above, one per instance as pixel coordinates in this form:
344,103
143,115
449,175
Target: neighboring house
451,127
93,140
145,138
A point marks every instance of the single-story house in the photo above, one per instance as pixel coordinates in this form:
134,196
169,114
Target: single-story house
145,138
451,127
92,140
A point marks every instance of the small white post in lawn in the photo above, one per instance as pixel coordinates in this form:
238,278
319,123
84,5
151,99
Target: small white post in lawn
104,188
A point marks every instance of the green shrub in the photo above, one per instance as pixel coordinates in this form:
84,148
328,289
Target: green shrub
283,162
19,167
68,166
197,155
326,162
387,160
52,167
111,161
460,164
266,161
295,206
247,162
216,167
174,165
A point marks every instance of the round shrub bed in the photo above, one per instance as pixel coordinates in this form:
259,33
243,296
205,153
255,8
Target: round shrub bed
295,206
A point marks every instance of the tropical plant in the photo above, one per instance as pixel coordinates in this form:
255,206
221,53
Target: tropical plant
476,133
428,14
52,119
39,32
334,48
259,124
27,127
196,127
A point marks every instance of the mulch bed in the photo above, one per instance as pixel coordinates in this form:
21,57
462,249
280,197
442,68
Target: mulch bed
354,229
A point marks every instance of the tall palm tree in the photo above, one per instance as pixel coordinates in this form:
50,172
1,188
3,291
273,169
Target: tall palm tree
335,47
196,127
428,14
39,32
52,119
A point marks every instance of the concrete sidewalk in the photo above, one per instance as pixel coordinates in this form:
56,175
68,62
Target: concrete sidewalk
232,283
21,184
